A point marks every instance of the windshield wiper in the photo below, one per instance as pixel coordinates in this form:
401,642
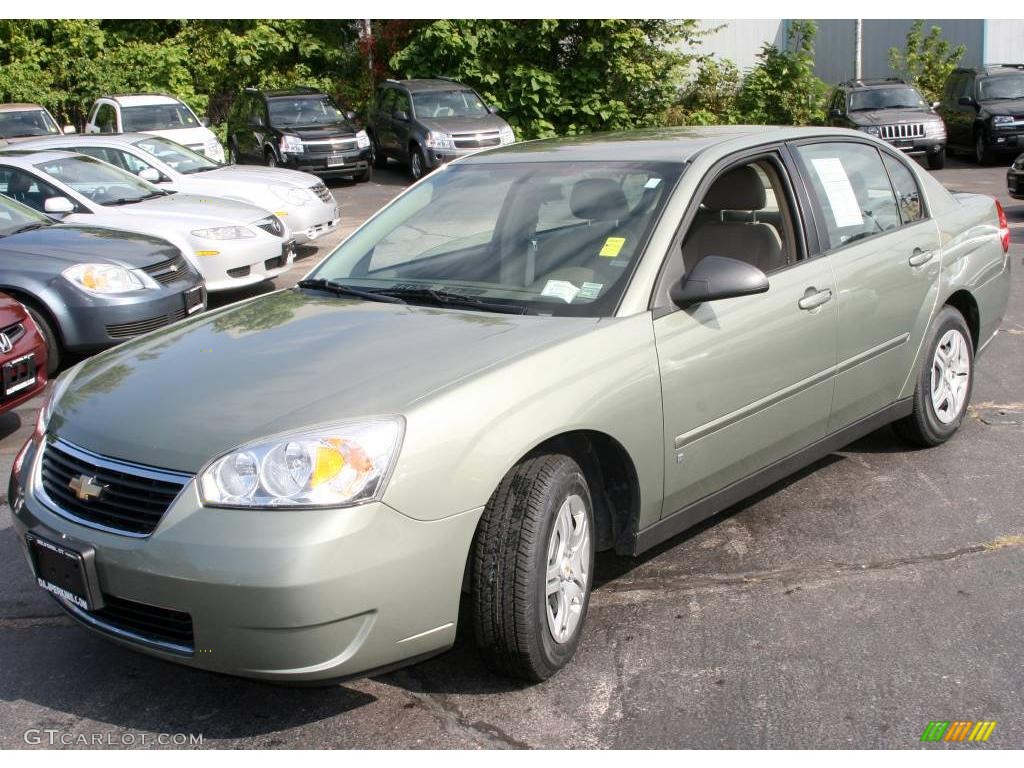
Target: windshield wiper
130,200
340,289
444,298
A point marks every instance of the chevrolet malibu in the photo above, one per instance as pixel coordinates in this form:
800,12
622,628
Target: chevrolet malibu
232,244
299,198
537,353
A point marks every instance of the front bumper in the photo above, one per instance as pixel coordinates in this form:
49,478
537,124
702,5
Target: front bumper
312,220
438,157
1006,140
238,263
329,165
290,596
1015,183
918,146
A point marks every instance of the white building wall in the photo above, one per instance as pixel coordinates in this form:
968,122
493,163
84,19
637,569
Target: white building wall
1004,41
741,39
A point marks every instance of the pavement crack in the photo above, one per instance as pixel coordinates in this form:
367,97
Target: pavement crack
454,719
625,591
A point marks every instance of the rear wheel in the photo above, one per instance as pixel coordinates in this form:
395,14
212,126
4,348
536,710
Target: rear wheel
532,560
53,350
944,382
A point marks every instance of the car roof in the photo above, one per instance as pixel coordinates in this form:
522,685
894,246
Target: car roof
98,139
430,84
142,99
284,93
876,83
20,107
25,158
993,69
672,145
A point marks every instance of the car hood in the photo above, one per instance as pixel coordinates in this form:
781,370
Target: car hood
1001,107
76,244
183,207
257,174
280,362
894,116
463,124
344,130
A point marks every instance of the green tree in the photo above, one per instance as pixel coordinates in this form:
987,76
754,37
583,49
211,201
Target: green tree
927,60
710,98
555,77
782,88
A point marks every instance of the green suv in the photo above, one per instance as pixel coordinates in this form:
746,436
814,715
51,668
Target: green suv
537,353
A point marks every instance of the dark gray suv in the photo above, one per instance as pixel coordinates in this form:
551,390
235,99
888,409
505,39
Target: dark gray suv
427,123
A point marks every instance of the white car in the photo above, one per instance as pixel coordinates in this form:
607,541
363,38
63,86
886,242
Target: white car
301,199
232,244
156,114
19,122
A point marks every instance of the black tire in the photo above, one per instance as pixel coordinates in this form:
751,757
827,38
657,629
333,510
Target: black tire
509,564
233,151
417,163
380,160
924,426
365,176
937,160
270,158
53,350
983,154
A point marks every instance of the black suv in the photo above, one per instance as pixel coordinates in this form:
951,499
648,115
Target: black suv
984,110
894,111
426,123
299,128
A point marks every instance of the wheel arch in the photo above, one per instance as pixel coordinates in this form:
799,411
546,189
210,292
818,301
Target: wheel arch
964,302
28,298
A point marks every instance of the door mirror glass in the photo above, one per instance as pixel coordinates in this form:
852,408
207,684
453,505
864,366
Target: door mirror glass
58,205
69,129
835,112
150,174
718,277
400,115
255,121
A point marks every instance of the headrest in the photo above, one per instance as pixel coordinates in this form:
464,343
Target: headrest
740,189
598,200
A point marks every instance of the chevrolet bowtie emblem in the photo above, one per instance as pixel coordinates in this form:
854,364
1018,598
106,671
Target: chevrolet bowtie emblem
85,487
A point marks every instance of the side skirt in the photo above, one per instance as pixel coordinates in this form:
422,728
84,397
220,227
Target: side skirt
687,517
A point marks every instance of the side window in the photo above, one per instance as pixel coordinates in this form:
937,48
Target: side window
745,214
118,157
852,190
908,194
26,188
964,87
106,119
403,102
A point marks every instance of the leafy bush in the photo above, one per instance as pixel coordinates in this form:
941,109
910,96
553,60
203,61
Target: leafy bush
926,61
710,97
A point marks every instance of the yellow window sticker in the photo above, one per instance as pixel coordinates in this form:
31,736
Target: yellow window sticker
612,246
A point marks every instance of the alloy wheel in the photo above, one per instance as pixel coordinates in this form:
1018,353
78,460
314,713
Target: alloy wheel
568,561
951,371
416,165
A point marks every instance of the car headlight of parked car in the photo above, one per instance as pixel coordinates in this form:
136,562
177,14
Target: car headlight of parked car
362,140
438,140
1018,164
871,130
506,135
104,279
1001,121
291,144
224,233
336,465
293,195
213,150
935,130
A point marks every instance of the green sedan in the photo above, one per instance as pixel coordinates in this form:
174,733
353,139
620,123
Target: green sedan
535,354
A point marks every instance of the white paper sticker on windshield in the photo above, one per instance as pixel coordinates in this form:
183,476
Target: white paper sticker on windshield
652,183
561,289
591,290
841,198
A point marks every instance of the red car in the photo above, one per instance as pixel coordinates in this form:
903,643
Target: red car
22,355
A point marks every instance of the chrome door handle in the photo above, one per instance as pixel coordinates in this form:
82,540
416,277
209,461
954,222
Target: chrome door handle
814,300
920,257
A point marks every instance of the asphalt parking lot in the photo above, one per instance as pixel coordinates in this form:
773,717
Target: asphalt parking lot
847,606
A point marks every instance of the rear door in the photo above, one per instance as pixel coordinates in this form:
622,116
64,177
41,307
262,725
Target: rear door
885,252
745,381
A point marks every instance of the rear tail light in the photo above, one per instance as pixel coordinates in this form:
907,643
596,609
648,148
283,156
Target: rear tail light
1004,227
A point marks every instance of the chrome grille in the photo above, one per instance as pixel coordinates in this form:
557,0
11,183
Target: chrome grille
134,497
902,131
137,327
321,191
169,271
271,224
475,140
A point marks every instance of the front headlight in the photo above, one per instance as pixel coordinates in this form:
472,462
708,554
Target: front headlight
1018,164
506,135
103,279
224,233
935,130
337,465
291,144
293,195
362,140
871,130
438,140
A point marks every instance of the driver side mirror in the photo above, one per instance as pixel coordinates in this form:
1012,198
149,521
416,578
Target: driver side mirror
58,205
835,113
204,121
151,175
936,104
255,121
350,115
69,129
965,101
492,109
400,115
718,277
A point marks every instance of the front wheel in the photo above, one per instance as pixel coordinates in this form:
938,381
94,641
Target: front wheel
417,163
363,176
53,350
937,160
983,153
531,568
944,382
270,159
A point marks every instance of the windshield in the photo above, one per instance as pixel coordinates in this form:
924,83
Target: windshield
459,103
555,237
900,97
304,110
29,122
103,184
179,158
15,217
1003,87
157,117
